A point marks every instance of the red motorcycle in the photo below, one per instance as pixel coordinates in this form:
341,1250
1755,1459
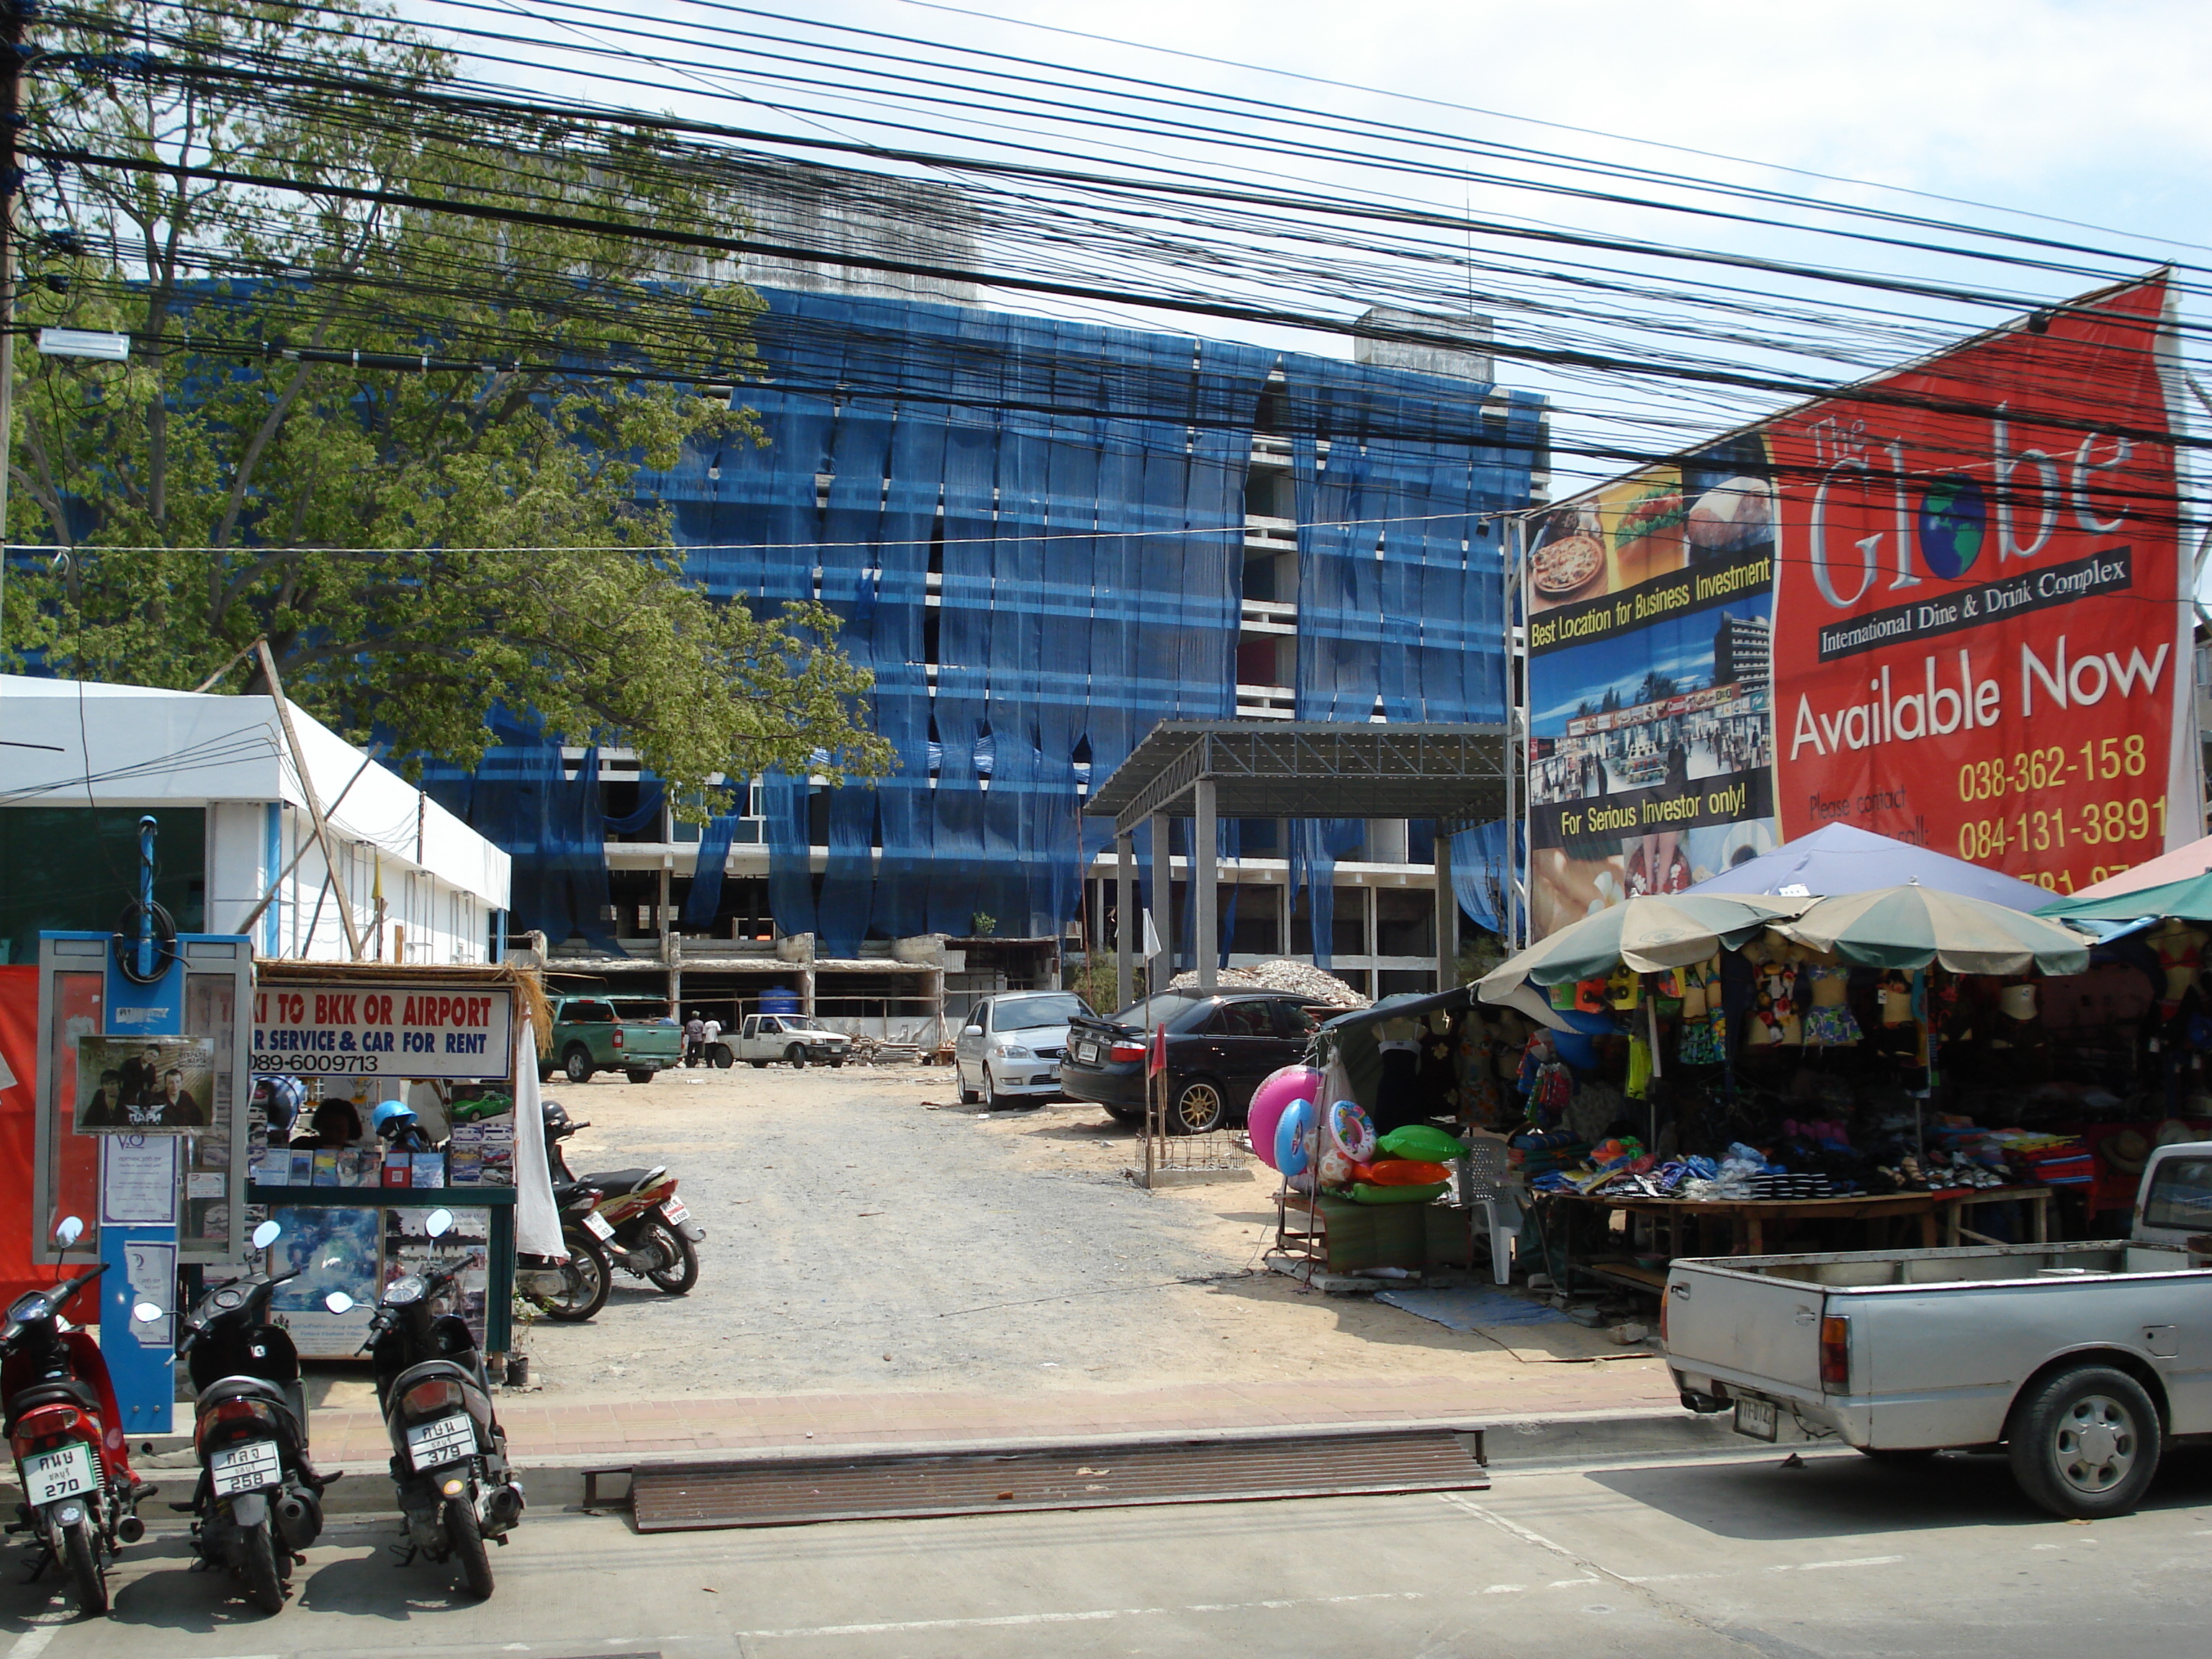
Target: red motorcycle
639,1222
81,1499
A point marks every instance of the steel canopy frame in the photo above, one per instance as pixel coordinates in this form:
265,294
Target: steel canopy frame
1456,774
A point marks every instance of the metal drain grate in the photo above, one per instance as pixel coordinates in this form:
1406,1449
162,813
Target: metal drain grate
797,1492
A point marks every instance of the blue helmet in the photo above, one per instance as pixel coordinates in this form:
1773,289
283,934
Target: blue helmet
390,1118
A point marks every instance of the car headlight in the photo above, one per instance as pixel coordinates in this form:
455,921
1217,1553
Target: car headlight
1012,1051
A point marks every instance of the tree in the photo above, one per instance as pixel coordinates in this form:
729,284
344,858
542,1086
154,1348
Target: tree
415,542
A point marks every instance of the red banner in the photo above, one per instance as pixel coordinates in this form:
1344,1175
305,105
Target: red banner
1982,630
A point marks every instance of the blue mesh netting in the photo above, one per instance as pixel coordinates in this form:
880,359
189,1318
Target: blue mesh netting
1090,483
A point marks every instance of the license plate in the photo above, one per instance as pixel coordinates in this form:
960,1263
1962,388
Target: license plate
62,1472
1087,1053
246,1469
447,1440
596,1225
1756,1418
675,1211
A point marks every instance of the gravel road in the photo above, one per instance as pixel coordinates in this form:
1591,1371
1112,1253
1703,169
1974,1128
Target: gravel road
864,1232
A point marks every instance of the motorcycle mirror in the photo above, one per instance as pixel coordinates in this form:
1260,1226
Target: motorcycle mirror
68,1230
338,1301
147,1314
438,1223
267,1234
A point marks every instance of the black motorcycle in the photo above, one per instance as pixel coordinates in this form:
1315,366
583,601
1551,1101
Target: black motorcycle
576,1288
644,1227
259,1503
449,1462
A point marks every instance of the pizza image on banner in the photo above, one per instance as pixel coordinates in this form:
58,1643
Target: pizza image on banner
1982,626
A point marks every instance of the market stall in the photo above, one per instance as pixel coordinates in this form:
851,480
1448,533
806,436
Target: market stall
1842,1071
450,1048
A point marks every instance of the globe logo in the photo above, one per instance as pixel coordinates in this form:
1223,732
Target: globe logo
1953,517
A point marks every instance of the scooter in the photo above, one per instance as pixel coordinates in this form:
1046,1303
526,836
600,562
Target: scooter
456,1490
650,1234
577,1288
81,1500
259,1503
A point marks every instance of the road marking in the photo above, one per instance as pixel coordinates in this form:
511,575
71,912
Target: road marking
1091,1615
33,1642
1857,1561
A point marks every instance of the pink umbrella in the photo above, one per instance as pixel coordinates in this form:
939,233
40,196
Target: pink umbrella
2180,865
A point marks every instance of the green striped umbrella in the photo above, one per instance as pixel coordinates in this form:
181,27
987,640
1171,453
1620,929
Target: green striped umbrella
2190,899
1913,926
1649,933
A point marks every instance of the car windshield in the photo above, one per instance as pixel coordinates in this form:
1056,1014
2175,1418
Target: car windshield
1034,1013
1162,1010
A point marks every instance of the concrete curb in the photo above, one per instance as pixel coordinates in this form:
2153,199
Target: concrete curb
558,1482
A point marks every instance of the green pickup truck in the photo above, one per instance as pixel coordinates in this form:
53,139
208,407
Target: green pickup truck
590,1034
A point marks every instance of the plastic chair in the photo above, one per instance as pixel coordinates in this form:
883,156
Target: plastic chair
1483,1187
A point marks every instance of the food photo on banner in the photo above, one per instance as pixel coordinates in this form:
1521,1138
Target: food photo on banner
143,1085
1947,605
1651,751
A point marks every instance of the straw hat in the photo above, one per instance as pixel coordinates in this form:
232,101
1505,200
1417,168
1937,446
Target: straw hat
2126,1151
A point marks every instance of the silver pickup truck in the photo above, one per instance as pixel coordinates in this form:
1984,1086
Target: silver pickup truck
2082,1361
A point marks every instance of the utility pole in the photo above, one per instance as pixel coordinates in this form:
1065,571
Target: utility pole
13,15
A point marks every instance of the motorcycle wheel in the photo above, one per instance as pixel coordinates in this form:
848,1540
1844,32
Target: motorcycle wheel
683,1272
586,1279
467,1540
81,1551
263,1581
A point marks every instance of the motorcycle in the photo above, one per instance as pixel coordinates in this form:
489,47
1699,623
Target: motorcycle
650,1233
81,1500
456,1490
577,1288
258,1502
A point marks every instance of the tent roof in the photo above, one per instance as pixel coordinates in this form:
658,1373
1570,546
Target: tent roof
1841,858
1311,769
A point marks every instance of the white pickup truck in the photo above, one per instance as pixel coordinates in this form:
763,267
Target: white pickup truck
2082,1362
794,1039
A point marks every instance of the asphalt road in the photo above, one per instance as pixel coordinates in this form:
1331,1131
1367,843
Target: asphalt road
1730,1555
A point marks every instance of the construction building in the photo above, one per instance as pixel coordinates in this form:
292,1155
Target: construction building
1042,537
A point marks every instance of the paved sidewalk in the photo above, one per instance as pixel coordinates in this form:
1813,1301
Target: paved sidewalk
648,1429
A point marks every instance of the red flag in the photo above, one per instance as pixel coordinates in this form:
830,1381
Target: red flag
1156,1060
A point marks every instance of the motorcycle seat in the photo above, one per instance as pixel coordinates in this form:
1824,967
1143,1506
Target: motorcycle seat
623,1181
55,1391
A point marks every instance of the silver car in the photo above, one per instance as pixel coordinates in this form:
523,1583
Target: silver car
1011,1048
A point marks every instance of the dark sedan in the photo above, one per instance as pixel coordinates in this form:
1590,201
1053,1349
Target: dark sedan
1219,1047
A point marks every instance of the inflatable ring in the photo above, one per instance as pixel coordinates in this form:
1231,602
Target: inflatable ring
1349,1132
1294,1139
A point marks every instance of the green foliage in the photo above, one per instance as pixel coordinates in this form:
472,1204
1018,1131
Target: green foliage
414,545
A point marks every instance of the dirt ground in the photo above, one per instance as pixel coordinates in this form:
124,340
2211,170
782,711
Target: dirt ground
865,1232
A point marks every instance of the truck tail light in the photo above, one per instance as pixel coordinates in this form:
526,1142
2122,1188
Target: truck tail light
1836,1353
619,1039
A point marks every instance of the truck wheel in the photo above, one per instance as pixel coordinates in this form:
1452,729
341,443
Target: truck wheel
577,1063
795,1057
640,1076
2085,1442
760,1065
719,1057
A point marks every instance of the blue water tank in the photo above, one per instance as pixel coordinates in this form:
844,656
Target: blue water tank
779,1001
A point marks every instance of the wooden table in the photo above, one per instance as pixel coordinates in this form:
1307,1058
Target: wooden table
1938,1213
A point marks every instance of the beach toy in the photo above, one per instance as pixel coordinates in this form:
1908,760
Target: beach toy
1336,1169
1349,1130
1275,1096
1401,1172
1423,1141
1294,1139
1364,1192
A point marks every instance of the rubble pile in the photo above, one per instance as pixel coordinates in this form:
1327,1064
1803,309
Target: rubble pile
1301,978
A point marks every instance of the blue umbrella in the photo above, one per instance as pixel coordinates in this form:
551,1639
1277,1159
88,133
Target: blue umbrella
1840,859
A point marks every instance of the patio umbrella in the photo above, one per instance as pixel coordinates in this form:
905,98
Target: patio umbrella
2179,864
1843,858
1912,926
2189,898
1650,933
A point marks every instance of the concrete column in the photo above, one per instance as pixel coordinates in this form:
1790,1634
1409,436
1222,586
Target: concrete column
1206,929
1129,936
1447,917
1160,967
